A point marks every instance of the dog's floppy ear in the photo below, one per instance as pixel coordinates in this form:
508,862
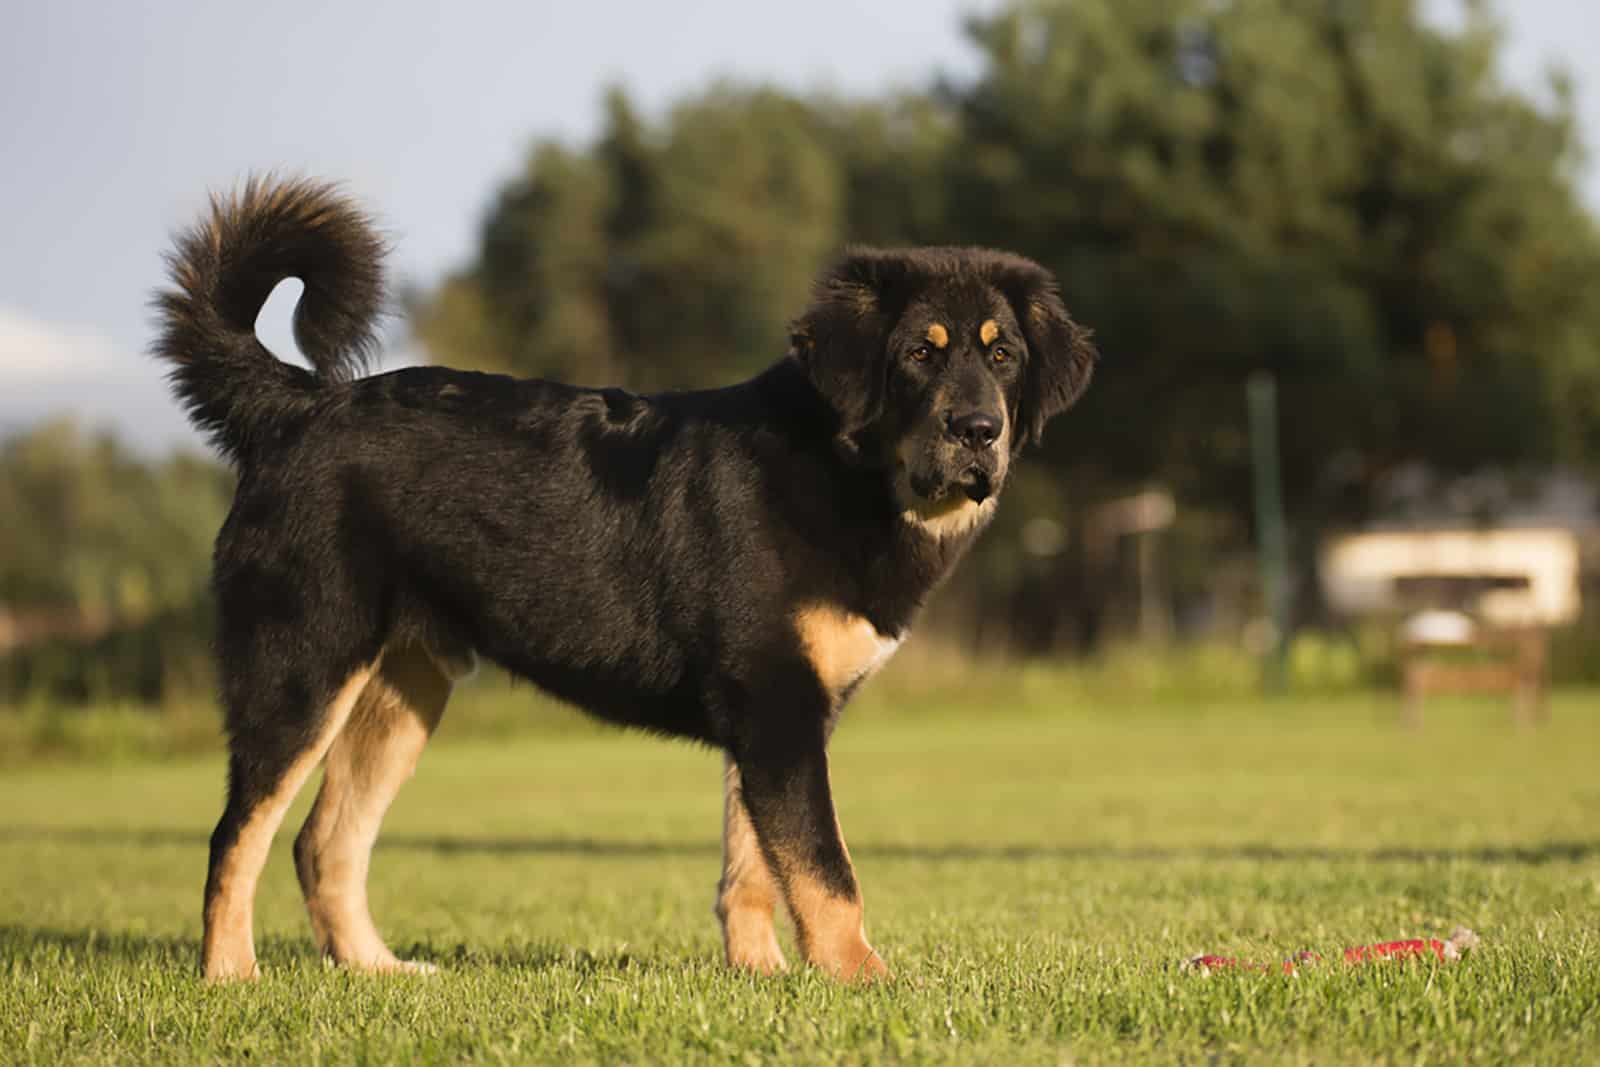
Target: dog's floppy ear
1061,357
842,337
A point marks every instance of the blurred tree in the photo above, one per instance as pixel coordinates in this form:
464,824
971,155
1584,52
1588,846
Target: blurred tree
96,544
748,204
1335,191
1332,190
536,300
662,259
89,525
892,156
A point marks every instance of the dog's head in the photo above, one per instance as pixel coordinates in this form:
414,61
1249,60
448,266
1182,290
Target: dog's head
942,364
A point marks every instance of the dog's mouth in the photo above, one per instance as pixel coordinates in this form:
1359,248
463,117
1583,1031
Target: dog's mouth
930,488
933,477
977,484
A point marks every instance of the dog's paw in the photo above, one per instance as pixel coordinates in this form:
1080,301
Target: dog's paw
759,957
413,967
389,965
752,942
224,971
859,962
872,969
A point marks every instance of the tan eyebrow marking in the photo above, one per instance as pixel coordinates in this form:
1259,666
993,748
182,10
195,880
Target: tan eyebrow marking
988,331
938,336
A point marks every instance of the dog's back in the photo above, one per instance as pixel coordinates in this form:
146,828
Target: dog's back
607,546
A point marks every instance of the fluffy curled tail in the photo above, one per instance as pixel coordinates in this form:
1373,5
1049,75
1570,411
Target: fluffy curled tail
222,271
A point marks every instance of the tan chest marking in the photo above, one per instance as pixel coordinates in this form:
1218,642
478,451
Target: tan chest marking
843,648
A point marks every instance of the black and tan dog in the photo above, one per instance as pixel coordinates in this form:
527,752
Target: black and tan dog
726,566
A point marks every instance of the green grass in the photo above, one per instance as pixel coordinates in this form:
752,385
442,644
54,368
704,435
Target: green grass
1033,874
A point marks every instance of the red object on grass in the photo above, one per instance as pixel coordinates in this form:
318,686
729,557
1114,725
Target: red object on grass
1461,942
1389,950
1221,963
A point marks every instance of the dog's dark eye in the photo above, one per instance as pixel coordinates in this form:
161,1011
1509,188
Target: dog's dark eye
999,354
920,353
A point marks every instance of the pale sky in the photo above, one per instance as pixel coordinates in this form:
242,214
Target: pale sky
116,118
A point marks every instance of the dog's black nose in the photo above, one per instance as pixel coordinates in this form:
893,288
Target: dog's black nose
977,430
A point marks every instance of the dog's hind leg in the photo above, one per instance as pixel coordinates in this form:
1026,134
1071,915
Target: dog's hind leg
748,892
366,766
276,743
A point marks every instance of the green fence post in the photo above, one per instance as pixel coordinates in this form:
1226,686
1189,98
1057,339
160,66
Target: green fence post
1271,538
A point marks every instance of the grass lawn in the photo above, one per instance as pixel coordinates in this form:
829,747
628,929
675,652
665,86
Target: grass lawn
1033,874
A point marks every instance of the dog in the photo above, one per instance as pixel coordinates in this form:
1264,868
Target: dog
726,566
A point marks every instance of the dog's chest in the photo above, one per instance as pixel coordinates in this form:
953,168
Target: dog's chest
844,649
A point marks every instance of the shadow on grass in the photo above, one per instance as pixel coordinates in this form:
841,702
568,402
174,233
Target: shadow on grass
285,953
20,942
166,951
552,955
1528,855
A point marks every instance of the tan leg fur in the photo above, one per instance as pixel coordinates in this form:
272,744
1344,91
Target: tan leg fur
366,766
748,893
228,950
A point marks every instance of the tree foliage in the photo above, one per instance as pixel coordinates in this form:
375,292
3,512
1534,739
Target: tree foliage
658,257
1331,190
91,526
1337,192
104,562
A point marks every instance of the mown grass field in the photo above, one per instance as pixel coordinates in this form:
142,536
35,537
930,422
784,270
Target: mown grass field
1034,873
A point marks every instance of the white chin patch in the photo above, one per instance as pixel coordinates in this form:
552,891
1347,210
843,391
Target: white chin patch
953,516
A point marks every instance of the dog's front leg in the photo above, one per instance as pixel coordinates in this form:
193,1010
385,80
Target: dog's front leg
784,772
748,893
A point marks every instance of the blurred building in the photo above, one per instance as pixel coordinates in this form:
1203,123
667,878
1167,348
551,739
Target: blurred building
1507,550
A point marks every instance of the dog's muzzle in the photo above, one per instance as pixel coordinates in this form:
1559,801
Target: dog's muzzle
977,484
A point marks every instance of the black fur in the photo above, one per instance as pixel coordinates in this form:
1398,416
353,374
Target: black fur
224,269
639,556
